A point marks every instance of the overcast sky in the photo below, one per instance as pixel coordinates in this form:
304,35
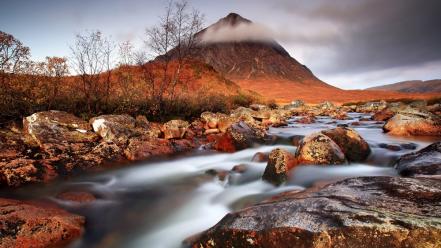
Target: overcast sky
351,44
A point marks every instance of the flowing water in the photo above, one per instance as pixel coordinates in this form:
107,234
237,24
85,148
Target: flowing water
161,203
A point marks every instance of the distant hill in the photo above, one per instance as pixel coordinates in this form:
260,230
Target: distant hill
414,86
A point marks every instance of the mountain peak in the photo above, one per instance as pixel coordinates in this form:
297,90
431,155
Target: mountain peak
233,19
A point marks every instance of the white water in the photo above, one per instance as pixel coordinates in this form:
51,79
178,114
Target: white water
159,204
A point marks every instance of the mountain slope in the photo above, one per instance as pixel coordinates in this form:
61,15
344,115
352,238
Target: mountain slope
414,86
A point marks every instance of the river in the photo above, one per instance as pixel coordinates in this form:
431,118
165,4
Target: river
160,203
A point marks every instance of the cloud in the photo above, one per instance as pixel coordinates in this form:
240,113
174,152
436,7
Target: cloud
239,32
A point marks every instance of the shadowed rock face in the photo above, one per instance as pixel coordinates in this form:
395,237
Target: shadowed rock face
424,162
358,212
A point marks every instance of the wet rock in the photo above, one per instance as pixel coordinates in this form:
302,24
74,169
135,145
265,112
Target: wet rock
57,127
220,174
260,157
240,168
355,123
409,146
426,161
19,171
297,139
77,196
319,149
211,120
339,115
413,122
306,120
391,147
211,131
383,115
279,163
143,148
175,129
238,137
381,212
114,128
32,225
350,142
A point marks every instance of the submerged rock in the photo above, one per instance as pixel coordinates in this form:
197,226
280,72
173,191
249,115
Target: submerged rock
381,212
25,224
350,142
426,161
319,149
413,122
279,163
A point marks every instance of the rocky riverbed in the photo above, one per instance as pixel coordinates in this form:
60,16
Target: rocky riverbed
313,176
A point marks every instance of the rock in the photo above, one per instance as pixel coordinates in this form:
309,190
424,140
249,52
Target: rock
238,137
383,115
77,196
211,120
390,147
258,107
142,122
413,122
19,171
339,115
175,129
297,103
426,161
240,168
297,139
109,151
306,120
145,148
355,123
319,149
350,142
326,105
383,212
57,127
211,131
220,174
224,123
279,163
25,224
260,157
114,128
371,107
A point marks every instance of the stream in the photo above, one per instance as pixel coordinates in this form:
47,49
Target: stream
161,203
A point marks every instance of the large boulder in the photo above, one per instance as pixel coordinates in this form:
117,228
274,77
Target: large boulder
19,171
413,122
350,142
175,129
383,212
319,149
57,127
238,137
279,163
426,161
25,224
114,128
383,115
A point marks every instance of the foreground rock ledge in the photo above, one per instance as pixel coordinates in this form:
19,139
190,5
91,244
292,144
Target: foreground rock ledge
358,212
31,225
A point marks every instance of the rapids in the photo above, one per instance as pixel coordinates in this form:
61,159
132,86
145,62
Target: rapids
161,203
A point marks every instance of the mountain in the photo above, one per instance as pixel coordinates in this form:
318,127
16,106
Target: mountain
232,46
414,86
